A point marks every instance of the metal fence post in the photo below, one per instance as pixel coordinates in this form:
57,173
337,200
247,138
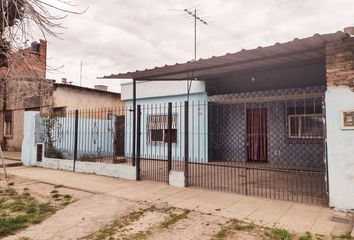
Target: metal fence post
186,143
76,137
134,123
138,141
169,145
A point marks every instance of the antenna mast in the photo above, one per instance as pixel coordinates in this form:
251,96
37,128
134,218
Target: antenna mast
196,18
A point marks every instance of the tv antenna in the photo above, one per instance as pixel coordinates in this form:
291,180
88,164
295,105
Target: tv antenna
196,19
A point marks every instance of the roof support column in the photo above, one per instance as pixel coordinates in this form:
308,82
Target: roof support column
134,123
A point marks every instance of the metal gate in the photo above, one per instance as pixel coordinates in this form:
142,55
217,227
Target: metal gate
271,147
279,157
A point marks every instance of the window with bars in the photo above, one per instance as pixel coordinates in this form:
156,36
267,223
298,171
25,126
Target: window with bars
158,129
305,120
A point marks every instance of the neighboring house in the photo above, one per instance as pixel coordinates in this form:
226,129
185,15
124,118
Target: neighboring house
278,121
23,87
67,97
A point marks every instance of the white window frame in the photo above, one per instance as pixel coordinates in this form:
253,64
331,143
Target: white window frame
300,126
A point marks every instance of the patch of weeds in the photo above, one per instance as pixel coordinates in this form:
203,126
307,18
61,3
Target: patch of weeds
59,186
279,234
45,208
344,236
242,226
220,235
173,218
25,189
119,224
54,191
306,236
32,208
140,235
17,205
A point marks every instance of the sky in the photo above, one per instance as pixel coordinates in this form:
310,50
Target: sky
115,36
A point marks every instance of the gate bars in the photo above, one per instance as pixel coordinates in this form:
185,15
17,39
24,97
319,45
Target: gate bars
208,142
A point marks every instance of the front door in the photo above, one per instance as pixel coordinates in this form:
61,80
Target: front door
257,135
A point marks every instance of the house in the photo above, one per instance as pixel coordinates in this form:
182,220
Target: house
278,121
154,97
23,87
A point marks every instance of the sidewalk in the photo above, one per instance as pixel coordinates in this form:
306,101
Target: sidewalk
265,212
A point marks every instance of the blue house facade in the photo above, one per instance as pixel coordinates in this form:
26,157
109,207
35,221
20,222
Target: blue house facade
153,97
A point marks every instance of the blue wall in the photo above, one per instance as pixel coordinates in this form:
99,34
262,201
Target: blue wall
198,133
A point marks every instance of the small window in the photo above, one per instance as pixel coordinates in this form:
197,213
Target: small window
158,128
8,123
305,126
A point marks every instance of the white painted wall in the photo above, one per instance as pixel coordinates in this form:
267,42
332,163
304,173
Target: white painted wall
28,151
340,145
176,179
59,164
105,169
160,88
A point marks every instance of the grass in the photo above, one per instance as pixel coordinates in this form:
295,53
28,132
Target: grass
306,236
221,234
278,234
346,236
117,225
18,211
173,218
242,226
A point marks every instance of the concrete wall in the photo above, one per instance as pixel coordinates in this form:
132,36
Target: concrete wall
340,142
340,149
74,99
29,149
103,169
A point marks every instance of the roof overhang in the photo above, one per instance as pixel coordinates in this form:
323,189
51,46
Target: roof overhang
304,51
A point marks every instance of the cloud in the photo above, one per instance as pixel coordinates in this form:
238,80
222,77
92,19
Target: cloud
118,35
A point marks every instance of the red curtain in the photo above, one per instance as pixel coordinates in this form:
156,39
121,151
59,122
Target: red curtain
257,140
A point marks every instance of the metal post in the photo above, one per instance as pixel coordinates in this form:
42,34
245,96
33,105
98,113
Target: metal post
76,137
138,140
186,143
169,145
195,34
134,122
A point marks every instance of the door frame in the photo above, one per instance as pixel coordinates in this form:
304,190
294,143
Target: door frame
267,131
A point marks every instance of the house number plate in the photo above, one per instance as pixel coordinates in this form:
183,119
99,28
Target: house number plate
348,119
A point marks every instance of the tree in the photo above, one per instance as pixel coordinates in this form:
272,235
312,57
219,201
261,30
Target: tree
20,20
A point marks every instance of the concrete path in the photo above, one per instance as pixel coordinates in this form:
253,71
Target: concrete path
266,212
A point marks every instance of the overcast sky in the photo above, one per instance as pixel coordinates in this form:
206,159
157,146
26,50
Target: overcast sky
125,35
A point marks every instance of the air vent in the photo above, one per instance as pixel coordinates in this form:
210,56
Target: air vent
39,152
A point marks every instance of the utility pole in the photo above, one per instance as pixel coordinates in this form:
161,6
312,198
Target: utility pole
196,18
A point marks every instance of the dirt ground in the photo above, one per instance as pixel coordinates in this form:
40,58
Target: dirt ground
90,216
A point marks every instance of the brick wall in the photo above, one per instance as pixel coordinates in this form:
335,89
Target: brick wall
340,63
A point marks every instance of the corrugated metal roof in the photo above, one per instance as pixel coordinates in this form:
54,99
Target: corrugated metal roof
311,49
